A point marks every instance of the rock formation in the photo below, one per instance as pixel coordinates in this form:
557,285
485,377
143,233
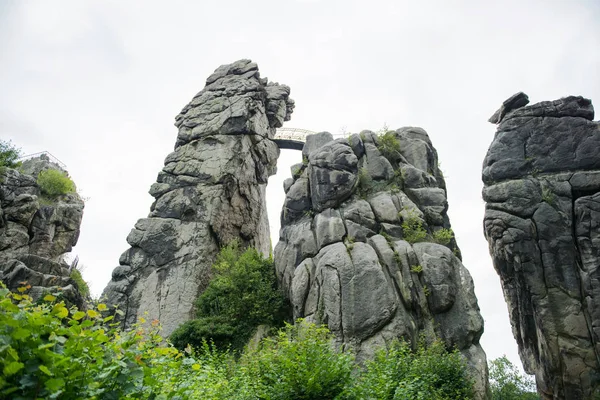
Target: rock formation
357,246
36,231
210,191
542,222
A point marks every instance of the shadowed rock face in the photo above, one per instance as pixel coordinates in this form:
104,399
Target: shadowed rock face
342,259
210,191
36,233
542,223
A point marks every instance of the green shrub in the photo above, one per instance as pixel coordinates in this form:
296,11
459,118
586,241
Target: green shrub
443,236
50,351
300,363
429,373
412,229
241,296
81,284
389,146
507,383
9,154
54,183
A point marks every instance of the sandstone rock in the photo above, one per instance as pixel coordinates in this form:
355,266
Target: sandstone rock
542,225
37,231
371,288
210,191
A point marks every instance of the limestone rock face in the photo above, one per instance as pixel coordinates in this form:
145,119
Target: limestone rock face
343,258
35,232
542,223
210,191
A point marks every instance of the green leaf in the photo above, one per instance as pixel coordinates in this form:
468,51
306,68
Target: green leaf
21,334
45,370
78,315
12,368
55,384
49,297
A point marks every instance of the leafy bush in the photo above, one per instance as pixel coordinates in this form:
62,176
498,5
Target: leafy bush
412,229
389,146
241,296
443,236
50,351
82,285
54,183
507,383
9,154
430,372
300,363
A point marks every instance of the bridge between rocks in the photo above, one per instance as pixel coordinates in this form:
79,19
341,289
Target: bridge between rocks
291,138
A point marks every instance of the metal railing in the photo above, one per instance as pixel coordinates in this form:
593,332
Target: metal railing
292,134
47,154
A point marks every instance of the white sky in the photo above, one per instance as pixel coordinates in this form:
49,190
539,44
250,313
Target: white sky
98,84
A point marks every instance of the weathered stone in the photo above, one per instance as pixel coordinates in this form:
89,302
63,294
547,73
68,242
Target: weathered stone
210,192
36,233
316,141
370,288
332,175
329,227
542,219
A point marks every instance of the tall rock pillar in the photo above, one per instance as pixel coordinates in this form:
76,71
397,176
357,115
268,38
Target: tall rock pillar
542,223
210,191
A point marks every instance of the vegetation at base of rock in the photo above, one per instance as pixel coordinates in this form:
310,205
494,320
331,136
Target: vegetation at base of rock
412,230
82,285
241,296
50,351
429,373
443,236
54,183
506,383
9,154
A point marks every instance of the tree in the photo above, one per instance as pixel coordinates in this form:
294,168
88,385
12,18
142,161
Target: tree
9,154
241,296
507,383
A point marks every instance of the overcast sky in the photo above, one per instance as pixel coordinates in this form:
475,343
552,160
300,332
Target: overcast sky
98,84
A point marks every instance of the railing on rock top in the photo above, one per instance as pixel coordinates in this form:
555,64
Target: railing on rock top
47,154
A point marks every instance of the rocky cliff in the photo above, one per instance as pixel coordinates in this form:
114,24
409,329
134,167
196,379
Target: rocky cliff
542,222
366,247
36,231
210,191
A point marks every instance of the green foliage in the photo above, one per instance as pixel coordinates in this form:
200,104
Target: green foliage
9,154
241,296
443,236
429,373
53,352
507,383
300,363
82,285
548,196
389,146
417,269
54,183
412,229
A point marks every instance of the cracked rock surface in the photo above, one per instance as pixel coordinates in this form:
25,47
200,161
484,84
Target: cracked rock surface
542,223
210,191
35,232
342,258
